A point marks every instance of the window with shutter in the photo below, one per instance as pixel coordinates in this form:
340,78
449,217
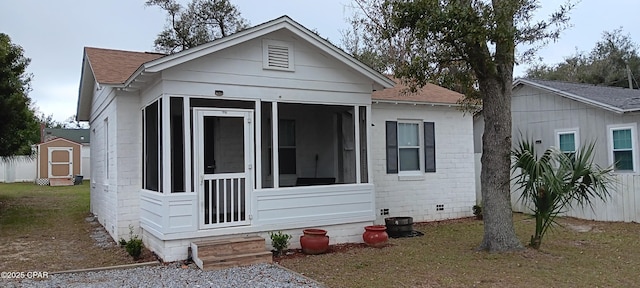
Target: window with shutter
406,150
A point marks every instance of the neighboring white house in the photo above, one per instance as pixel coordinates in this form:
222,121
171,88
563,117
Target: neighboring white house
183,145
567,115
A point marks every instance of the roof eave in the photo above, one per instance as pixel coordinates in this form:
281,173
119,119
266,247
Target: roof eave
87,85
415,102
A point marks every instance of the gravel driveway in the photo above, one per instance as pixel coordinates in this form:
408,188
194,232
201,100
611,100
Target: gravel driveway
261,275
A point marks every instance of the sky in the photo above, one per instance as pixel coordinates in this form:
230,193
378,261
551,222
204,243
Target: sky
53,33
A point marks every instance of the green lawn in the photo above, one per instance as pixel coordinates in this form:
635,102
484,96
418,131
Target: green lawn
608,255
43,228
25,207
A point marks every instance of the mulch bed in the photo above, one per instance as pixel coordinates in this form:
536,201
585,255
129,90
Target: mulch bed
337,248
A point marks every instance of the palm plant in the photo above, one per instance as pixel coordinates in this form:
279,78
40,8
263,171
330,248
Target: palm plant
556,180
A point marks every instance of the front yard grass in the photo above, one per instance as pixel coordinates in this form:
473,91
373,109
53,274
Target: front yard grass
43,228
580,254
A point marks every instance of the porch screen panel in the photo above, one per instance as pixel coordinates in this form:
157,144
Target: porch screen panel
177,145
151,151
364,177
267,164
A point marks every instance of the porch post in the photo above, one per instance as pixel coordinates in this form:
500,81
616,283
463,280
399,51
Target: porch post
368,128
258,144
166,144
186,119
274,145
356,124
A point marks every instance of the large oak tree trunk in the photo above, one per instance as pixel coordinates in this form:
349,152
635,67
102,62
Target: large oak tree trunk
499,234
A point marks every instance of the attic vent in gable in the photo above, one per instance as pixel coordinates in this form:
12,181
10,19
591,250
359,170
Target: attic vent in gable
277,55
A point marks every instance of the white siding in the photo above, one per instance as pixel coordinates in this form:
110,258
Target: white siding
104,202
238,72
453,183
127,159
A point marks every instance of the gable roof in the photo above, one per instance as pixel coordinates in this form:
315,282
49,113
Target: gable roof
116,66
615,99
59,140
75,135
99,68
283,22
430,93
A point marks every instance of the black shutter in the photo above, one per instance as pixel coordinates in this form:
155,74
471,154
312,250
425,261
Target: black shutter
429,147
392,147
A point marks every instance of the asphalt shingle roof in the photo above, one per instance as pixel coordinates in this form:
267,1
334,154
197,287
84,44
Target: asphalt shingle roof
116,66
430,93
76,135
623,99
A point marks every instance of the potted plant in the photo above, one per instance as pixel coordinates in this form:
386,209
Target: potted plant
477,210
280,242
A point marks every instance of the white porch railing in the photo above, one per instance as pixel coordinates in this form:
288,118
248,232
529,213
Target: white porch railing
224,202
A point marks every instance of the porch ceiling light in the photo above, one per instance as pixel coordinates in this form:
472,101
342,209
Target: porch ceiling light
219,92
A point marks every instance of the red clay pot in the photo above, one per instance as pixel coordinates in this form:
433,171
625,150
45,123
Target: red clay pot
375,236
314,241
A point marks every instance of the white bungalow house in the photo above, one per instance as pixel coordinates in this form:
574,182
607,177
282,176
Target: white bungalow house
183,145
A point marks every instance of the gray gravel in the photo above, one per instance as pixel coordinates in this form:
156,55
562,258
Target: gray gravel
260,275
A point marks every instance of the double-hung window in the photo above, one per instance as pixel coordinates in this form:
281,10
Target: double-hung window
623,146
410,147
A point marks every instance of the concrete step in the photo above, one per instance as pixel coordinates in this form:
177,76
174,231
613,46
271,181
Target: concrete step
214,263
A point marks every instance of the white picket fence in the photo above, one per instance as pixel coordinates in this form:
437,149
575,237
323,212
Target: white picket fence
623,205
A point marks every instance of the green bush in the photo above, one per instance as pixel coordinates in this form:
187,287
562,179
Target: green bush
134,245
279,241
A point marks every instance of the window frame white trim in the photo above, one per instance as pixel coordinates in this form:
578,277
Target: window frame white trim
412,174
576,137
634,145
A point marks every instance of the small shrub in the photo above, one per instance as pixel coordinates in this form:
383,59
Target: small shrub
134,245
122,242
477,210
279,241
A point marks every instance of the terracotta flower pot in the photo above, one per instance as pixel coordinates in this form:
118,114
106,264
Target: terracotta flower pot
314,241
375,236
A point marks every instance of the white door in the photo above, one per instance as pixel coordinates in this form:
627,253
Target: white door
60,162
224,165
